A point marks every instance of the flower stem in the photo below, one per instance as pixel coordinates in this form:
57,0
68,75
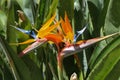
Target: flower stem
60,67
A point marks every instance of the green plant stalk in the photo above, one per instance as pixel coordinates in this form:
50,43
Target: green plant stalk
81,76
60,75
60,67
52,70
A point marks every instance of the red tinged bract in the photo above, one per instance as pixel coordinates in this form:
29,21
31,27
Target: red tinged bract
70,50
33,46
60,34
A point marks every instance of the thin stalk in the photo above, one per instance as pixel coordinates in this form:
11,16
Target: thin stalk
60,75
84,61
60,67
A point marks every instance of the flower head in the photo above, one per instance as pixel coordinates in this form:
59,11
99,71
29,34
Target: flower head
43,33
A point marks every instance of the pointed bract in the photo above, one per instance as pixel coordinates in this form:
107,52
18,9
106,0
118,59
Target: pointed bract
67,51
33,46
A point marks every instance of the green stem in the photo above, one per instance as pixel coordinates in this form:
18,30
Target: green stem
60,67
60,75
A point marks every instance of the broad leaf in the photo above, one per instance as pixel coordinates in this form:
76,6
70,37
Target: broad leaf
112,20
106,61
110,23
18,67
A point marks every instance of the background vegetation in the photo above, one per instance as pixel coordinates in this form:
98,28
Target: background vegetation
99,62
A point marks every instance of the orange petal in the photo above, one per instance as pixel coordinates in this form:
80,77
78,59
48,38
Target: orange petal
68,25
54,38
64,27
67,29
57,39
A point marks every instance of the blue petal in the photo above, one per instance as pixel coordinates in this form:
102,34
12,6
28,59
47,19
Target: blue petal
79,33
29,32
33,34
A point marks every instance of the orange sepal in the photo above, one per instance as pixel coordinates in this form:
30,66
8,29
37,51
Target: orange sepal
67,29
54,38
67,23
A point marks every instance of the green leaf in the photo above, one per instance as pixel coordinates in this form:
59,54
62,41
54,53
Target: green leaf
98,17
69,8
97,3
114,74
18,67
106,61
11,31
98,48
3,23
36,72
41,12
46,8
112,21
5,71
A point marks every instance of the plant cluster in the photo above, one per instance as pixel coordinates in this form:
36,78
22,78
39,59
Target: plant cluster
59,40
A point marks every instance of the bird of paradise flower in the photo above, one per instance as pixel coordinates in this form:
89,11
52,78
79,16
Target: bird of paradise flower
64,35
38,38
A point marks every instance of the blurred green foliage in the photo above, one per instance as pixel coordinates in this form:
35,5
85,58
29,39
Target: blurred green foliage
99,62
